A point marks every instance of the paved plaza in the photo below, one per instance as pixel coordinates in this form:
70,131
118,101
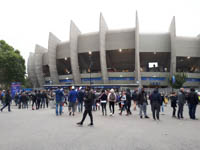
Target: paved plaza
43,130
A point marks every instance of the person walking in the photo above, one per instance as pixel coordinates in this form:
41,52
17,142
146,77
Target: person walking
192,103
103,100
38,101
73,98
142,102
156,101
135,98
181,102
59,98
174,99
8,100
88,101
112,98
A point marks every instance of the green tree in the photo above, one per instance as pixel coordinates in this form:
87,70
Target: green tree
180,79
12,65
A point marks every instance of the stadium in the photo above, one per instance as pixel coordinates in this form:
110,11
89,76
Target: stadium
122,57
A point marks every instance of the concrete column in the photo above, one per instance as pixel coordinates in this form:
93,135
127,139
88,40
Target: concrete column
137,52
102,48
39,52
52,44
74,33
31,70
172,31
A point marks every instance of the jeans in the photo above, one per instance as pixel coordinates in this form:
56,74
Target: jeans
112,107
60,110
143,108
155,107
192,111
103,106
80,106
42,103
180,110
162,107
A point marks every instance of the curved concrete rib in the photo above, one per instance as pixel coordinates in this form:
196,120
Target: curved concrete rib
39,52
74,33
31,70
137,52
52,44
172,31
102,48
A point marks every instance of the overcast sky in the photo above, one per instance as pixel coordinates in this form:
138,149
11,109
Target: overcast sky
24,23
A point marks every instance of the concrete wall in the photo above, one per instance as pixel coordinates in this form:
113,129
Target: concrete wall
155,42
88,42
39,52
124,39
187,46
63,50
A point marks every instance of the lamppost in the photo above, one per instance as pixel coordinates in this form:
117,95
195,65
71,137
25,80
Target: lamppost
90,59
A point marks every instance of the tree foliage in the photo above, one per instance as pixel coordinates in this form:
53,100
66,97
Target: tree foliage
180,79
12,65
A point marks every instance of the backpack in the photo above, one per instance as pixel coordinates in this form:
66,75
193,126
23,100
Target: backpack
112,97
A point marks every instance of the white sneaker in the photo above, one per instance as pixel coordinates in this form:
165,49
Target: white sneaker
110,114
113,115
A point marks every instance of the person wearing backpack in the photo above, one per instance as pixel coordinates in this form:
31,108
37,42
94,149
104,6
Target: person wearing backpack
192,103
112,99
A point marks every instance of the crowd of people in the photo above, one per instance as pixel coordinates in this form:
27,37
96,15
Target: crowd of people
93,100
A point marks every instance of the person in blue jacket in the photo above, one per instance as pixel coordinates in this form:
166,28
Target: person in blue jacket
59,98
73,99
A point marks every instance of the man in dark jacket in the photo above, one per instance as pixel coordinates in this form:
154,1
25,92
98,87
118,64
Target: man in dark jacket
8,100
181,102
88,100
192,103
155,99
142,102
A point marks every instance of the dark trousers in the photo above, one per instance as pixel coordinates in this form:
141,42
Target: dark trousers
192,111
85,114
112,107
38,104
155,107
124,107
34,102
174,112
129,108
103,106
7,104
47,103
180,110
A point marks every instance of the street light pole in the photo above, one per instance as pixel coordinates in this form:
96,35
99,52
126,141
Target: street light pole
90,53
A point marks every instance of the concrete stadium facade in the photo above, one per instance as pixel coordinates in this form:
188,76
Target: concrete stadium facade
110,57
